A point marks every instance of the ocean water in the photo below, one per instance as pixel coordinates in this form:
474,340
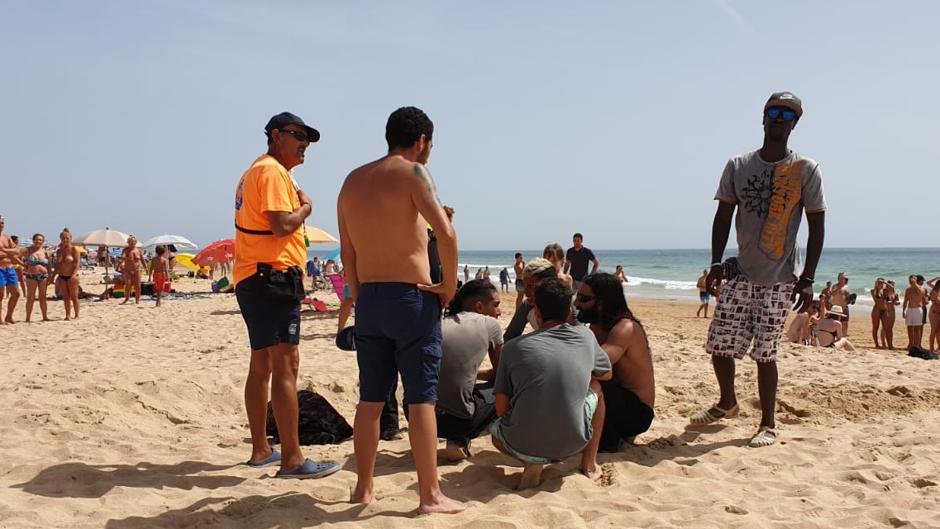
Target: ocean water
671,274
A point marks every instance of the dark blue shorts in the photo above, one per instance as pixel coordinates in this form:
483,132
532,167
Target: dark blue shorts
398,330
269,322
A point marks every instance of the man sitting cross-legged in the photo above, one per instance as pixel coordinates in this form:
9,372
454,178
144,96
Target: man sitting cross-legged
548,394
630,395
471,331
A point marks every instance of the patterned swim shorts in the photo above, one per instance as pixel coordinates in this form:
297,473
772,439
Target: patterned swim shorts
748,313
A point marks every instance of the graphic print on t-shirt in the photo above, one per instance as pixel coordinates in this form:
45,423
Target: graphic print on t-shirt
772,195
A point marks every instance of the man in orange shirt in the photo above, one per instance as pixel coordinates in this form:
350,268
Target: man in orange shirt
269,251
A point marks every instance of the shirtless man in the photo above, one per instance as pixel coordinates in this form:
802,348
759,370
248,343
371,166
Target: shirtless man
383,211
913,312
631,393
133,260
840,297
159,272
518,268
9,280
702,294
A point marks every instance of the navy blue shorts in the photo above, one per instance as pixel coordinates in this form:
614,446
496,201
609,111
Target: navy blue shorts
269,322
398,330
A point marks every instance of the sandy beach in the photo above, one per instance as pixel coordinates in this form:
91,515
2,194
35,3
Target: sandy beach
132,417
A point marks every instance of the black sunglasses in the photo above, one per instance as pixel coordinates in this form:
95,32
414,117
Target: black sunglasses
299,136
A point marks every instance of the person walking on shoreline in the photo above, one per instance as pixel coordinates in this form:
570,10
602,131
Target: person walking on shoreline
703,295
383,211
770,188
269,254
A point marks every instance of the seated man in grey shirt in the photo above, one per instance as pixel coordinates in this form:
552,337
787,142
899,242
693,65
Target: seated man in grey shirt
471,332
548,395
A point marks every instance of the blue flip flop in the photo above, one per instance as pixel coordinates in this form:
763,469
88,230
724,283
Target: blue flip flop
310,469
275,457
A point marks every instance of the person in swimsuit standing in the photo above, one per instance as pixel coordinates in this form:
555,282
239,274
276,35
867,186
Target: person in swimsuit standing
133,260
66,269
37,264
891,301
702,294
914,300
518,268
934,314
9,281
878,310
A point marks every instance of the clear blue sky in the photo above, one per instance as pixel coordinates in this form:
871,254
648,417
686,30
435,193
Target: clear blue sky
613,119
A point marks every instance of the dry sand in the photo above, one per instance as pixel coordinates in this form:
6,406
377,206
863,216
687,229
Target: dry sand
132,417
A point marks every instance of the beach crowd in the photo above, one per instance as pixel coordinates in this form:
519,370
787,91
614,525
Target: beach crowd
571,375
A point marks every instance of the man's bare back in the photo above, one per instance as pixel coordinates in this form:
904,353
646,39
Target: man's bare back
380,212
634,368
914,296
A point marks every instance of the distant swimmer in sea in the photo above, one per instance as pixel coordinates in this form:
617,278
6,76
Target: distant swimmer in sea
384,209
703,295
619,274
770,188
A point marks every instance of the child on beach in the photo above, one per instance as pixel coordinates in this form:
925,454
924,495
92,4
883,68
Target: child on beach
159,272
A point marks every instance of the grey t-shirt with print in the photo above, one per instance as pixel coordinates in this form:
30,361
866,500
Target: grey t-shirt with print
547,375
771,198
468,337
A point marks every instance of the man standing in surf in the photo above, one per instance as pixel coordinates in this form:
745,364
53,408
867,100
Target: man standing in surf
770,188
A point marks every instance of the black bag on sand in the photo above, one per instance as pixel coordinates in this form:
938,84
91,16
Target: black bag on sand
320,423
920,352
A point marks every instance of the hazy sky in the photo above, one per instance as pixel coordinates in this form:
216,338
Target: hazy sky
613,119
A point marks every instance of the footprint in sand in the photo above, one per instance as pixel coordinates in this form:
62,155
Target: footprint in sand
734,509
608,473
921,483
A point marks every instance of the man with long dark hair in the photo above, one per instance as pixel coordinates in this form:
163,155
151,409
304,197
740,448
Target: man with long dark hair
631,393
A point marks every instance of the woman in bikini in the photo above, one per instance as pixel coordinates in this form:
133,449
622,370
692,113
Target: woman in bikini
934,314
890,300
38,265
67,260
877,311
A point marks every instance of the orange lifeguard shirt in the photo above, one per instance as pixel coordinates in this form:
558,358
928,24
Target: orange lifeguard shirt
265,186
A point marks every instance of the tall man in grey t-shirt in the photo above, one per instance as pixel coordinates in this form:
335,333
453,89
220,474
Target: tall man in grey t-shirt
770,188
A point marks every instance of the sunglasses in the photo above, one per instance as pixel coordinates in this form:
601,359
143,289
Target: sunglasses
585,298
776,112
299,136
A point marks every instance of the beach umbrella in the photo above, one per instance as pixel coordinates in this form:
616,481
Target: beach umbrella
167,239
105,237
216,253
186,261
315,235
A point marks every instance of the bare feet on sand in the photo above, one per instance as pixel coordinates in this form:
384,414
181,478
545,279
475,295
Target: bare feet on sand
361,495
441,504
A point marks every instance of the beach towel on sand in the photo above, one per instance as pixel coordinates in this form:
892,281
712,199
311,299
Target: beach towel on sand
319,423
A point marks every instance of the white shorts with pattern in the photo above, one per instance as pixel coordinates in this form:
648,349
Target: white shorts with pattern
749,317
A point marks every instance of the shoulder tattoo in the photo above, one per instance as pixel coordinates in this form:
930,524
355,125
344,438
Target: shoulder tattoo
425,176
